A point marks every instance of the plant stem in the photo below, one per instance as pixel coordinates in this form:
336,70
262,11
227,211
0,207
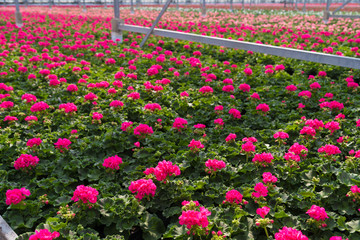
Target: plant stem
267,234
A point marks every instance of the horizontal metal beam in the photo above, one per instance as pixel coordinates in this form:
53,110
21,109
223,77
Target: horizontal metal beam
345,16
349,62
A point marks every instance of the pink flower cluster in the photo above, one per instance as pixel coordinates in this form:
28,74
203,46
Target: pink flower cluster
68,107
143,187
287,233
72,88
234,197
126,125
355,189
206,90
195,145
152,107
62,144
219,122
262,212
337,238
213,165
39,107
33,142
143,130
44,234
329,150
249,139
10,119
113,162
231,137
292,157
116,104
308,131
97,116
260,191
305,94
316,124
218,109
235,113
7,105
291,88
163,171
248,147
263,107
26,161
299,150
85,194
263,159
179,123
332,126
317,213
315,85
281,135
199,126
31,119
255,96
29,98
15,196
269,178
195,218
333,105
90,97
244,87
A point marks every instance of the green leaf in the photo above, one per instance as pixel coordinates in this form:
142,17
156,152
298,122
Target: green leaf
281,214
55,223
353,226
341,223
307,194
153,227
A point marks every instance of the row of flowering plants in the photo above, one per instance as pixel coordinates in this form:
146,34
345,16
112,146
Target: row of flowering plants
101,140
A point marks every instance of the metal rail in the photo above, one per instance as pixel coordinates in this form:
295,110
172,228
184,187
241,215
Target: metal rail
6,232
335,60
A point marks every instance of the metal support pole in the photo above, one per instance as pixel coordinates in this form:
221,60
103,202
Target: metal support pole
203,9
132,7
177,4
243,4
167,4
105,4
116,33
296,5
327,12
231,6
84,6
50,4
116,9
18,17
304,7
